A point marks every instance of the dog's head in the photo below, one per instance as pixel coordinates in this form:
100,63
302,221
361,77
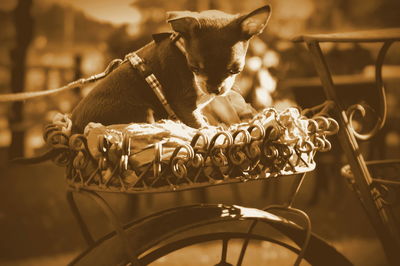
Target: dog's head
216,44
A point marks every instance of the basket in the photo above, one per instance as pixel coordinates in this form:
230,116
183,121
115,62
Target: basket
106,158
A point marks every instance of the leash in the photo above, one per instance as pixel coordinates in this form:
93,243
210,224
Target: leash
22,96
136,62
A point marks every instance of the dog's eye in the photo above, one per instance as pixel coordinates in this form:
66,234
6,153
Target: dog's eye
234,71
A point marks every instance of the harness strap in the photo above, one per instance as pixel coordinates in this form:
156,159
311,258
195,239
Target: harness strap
179,42
138,63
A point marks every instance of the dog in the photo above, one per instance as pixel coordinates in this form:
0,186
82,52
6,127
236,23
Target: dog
215,46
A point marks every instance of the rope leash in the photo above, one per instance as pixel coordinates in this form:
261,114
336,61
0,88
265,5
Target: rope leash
22,96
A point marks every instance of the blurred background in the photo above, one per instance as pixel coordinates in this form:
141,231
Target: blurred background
47,43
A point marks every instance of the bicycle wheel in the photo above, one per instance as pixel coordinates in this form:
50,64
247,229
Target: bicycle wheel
203,250
161,235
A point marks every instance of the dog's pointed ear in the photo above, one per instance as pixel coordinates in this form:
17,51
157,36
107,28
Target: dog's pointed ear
183,22
254,22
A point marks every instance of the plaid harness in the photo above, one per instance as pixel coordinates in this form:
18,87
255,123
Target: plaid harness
138,63
179,42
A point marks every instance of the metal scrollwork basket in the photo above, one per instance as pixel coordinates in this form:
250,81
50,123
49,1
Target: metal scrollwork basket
169,156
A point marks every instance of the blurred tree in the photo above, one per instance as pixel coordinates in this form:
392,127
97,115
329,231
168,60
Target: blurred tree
77,71
82,29
388,13
24,32
6,33
120,43
372,13
339,14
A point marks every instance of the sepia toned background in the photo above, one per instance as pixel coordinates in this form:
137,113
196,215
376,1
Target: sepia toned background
45,44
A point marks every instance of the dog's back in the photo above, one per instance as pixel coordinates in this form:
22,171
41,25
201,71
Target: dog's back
124,96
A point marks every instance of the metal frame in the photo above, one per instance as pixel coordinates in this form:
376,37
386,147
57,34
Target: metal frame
231,212
112,218
213,214
379,213
249,153
167,229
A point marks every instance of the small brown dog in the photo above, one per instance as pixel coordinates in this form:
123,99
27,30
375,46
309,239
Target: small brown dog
215,44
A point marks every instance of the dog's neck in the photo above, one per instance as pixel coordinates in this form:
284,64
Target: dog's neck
202,98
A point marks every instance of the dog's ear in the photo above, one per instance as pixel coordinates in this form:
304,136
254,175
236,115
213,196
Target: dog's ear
183,22
254,22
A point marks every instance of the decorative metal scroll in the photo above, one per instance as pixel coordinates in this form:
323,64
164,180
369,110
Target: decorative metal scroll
362,107
247,153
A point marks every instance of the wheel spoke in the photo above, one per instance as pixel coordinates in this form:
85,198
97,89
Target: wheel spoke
224,251
246,243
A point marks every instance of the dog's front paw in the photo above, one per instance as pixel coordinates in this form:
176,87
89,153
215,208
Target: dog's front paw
194,119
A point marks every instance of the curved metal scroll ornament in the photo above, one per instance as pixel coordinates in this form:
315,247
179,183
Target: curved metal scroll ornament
179,164
246,152
58,141
218,153
236,151
78,144
353,109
